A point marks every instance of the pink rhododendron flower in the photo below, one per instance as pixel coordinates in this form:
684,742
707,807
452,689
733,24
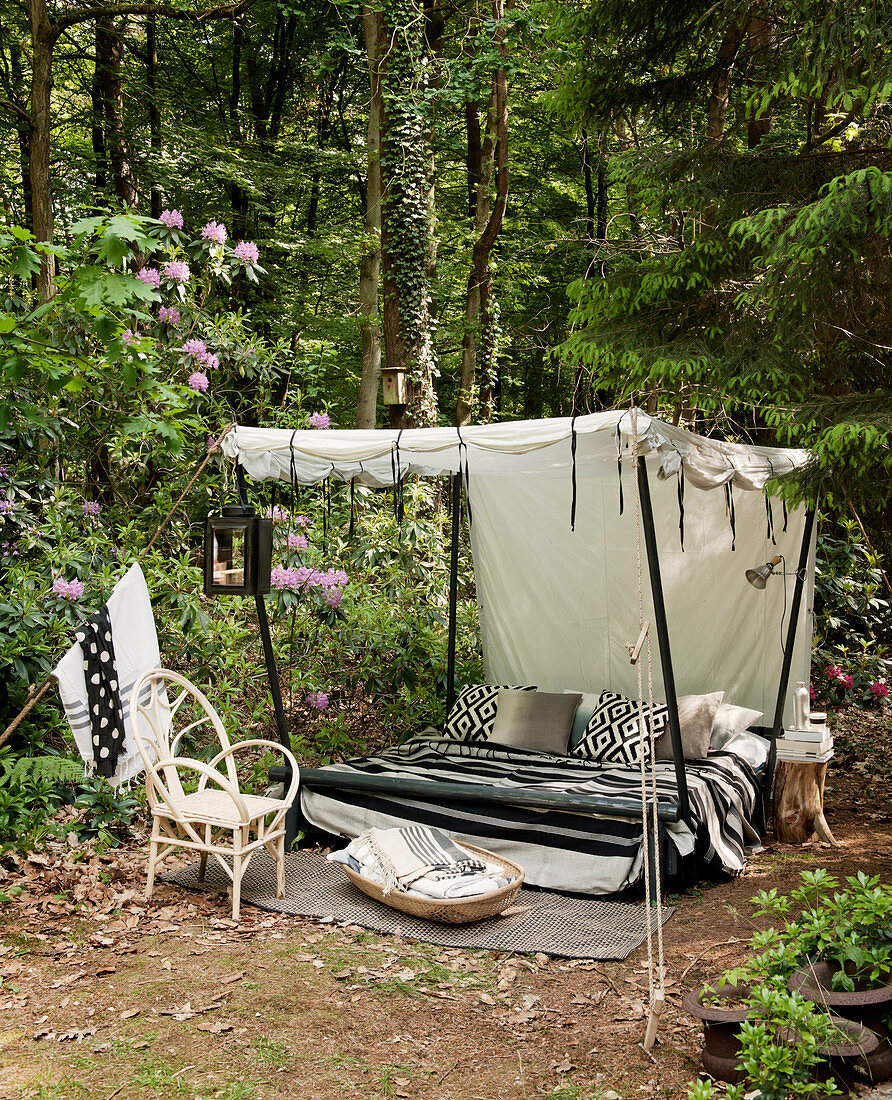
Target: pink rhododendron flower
833,672
198,348
247,252
6,507
176,271
320,420
169,315
846,680
151,276
318,699
198,381
297,542
131,337
879,690
333,597
210,361
215,232
91,507
277,514
173,219
302,521
67,590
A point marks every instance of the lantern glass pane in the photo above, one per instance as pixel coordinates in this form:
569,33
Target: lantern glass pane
229,556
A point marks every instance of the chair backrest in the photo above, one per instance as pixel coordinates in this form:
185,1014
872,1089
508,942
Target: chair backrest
164,707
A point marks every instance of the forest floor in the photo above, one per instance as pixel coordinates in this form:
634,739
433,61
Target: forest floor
105,995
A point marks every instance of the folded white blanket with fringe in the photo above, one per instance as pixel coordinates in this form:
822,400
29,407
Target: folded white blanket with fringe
420,860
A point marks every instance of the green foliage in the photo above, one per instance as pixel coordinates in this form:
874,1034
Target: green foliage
852,631
750,205
106,813
850,927
781,1041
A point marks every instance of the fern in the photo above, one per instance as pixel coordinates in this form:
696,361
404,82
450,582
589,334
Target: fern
56,769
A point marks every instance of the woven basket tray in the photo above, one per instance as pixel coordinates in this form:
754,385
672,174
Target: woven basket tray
449,910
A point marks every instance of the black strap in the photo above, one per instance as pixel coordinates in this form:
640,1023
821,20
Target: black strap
784,505
352,507
680,489
397,475
619,466
729,508
466,473
573,473
103,691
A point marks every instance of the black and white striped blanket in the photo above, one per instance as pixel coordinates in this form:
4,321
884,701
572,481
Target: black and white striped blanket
590,854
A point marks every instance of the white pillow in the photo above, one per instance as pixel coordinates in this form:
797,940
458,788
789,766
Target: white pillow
730,720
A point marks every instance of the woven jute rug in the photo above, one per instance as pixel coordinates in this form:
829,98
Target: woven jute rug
539,920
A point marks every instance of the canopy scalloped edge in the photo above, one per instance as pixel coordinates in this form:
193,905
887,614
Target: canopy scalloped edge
521,448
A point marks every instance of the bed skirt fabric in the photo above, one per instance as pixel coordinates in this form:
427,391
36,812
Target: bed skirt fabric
583,853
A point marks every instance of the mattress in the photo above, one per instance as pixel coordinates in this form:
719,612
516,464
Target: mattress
584,853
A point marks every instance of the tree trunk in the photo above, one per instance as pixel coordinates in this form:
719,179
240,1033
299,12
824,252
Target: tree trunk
479,355
721,86
588,184
97,129
109,48
405,223
42,43
798,809
157,199
758,33
498,124
370,266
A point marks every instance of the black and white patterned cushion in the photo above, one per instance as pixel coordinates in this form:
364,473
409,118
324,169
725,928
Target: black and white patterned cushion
474,711
612,733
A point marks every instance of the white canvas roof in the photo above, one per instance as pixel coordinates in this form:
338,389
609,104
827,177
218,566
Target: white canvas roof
522,448
558,605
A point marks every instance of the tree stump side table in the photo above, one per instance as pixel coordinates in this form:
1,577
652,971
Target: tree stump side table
798,803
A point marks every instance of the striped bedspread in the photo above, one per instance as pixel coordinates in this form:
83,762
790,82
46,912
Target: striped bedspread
590,854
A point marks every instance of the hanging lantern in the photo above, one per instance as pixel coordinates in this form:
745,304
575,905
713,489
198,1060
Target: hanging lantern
238,552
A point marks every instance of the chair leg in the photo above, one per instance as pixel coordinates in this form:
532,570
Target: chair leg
153,856
238,840
280,867
202,866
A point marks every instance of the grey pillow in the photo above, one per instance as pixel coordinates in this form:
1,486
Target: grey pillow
730,720
538,720
696,715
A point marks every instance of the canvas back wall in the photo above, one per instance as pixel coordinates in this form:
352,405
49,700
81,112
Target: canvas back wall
558,607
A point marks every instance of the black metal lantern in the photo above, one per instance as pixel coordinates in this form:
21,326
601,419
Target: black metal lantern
238,552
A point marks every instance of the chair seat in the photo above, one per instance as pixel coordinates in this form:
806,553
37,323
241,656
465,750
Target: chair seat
211,807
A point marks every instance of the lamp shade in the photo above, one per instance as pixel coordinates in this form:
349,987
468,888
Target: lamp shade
237,553
758,577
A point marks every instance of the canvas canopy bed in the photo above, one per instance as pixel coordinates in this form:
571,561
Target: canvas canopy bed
560,515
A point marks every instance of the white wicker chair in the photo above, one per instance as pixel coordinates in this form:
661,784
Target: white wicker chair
217,819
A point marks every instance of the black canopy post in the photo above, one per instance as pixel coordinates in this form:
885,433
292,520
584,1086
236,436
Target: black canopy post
272,673
453,590
656,588
787,662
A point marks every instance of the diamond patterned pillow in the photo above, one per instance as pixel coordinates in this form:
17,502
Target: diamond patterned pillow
612,733
474,711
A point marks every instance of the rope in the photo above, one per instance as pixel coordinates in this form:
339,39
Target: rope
37,693
654,907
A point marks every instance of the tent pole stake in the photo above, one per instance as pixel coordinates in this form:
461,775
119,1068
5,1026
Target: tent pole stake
453,590
656,588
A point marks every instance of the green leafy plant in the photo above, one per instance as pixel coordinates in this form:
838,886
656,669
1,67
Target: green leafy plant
105,813
851,928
